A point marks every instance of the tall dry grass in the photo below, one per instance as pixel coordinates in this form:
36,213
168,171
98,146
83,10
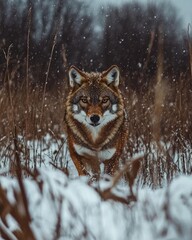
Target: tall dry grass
159,141
29,113
160,128
159,122
159,119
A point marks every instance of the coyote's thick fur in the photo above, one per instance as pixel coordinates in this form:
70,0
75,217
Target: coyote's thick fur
95,120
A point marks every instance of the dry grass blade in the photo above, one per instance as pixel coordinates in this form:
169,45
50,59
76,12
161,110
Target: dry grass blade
64,57
149,49
131,167
130,170
5,233
22,198
64,169
17,211
190,47
7,83
160,90
47,75
27,73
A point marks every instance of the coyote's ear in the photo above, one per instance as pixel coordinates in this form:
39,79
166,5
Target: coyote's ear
112,75
75,76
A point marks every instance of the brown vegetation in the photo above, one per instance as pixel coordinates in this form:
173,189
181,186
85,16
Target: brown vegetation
158,104
159,124
158,96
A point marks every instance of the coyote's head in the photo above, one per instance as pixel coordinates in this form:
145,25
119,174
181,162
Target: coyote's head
95,98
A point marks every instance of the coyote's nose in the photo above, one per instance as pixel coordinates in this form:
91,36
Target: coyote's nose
95,119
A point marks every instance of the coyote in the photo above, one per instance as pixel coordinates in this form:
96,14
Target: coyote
95,121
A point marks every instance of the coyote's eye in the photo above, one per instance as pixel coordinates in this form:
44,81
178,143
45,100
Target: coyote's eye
84,100
105,100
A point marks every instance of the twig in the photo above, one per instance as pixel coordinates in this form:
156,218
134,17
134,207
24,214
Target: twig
63,170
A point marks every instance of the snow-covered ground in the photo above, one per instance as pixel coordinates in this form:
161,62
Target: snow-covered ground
70,207
63,208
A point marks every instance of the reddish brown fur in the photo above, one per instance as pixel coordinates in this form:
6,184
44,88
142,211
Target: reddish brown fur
112,135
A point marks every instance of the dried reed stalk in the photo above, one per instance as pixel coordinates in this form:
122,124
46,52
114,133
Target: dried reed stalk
160,90
27,74
190,47
149,49
130,170
47,75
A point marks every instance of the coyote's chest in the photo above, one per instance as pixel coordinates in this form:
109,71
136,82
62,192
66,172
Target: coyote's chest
100,155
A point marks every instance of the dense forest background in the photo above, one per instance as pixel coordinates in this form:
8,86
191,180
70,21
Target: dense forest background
45,37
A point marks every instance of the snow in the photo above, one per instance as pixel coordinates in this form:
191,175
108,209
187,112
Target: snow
157,214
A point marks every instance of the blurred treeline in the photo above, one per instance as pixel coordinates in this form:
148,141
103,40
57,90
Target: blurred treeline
46,37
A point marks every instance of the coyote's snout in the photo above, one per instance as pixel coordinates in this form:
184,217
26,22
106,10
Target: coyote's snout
95,120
